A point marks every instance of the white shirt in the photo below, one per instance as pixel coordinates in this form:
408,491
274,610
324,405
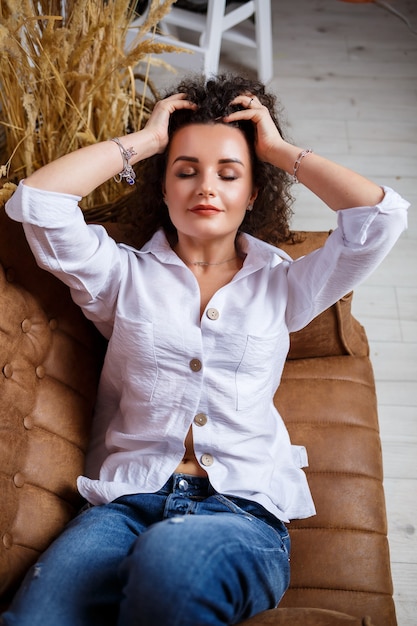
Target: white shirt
167,370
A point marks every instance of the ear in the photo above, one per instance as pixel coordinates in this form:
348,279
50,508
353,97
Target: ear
254,195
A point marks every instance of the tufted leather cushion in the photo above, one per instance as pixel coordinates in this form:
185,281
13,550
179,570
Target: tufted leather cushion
340,557
49,358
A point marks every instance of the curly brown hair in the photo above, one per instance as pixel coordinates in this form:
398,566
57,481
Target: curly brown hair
271,213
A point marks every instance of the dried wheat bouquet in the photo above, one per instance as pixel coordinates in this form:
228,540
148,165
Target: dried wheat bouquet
67,79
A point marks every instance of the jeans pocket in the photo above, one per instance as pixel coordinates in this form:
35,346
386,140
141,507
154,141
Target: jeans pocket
256,512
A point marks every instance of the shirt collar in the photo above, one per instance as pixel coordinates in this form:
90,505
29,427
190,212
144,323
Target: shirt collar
159,247
258,253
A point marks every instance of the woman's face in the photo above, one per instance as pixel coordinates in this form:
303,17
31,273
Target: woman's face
208,180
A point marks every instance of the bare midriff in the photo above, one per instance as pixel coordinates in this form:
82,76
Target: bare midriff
189,463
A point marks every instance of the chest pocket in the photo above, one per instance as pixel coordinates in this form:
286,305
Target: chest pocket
259,370
133,356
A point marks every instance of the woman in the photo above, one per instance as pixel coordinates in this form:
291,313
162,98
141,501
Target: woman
191,476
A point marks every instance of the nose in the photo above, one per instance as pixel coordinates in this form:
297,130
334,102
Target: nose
206,188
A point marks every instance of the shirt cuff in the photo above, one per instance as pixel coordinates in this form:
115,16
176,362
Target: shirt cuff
355,223
42,208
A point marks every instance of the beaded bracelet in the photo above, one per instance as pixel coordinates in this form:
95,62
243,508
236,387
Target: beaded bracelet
298,160
127,172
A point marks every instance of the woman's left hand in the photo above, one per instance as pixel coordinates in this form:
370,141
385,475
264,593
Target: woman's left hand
268,139
338,186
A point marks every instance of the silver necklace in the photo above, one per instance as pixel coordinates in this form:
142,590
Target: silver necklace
205,263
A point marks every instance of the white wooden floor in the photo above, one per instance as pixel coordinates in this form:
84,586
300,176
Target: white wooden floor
347,76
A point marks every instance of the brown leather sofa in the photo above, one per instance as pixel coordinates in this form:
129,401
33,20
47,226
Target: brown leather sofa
50,358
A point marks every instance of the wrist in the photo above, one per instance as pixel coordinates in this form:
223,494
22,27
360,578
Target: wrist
127,172
143,143
297,163
148,143
284,156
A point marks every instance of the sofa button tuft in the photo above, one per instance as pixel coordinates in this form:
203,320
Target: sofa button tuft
8,370
26,325
53,323
7,541
40,371
28,422
19,479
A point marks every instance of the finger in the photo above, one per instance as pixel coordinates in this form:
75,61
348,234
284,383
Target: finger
179,100
254,114
247,100
252,109
169,105
174,96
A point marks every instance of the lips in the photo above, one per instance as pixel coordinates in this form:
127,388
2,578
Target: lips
205,209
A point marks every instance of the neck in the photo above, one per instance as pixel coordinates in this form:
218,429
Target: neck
207,263
207,254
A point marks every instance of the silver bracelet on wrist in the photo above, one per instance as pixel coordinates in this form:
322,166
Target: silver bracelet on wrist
127,172
298,160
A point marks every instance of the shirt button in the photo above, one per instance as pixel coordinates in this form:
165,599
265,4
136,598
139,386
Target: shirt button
212,314
207,460
195,365
200,419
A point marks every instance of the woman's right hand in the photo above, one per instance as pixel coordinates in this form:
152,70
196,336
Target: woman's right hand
83,170
157,124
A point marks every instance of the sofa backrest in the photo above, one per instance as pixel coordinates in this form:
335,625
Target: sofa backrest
50,358
49,365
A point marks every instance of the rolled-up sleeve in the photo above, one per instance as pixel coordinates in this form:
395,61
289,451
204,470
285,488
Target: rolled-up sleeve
363,238
81,255
358,224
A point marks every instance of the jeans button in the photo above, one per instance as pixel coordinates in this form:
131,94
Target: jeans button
183,484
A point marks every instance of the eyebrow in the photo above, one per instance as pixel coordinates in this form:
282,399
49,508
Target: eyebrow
195,160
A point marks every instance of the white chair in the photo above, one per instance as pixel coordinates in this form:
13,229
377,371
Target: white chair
220,22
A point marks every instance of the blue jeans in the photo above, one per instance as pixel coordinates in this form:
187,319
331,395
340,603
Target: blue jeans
184,556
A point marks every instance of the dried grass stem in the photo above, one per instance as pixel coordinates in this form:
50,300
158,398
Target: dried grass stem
67,79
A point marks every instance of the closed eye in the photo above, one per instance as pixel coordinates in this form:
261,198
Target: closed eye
186,173
228,176
228,173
